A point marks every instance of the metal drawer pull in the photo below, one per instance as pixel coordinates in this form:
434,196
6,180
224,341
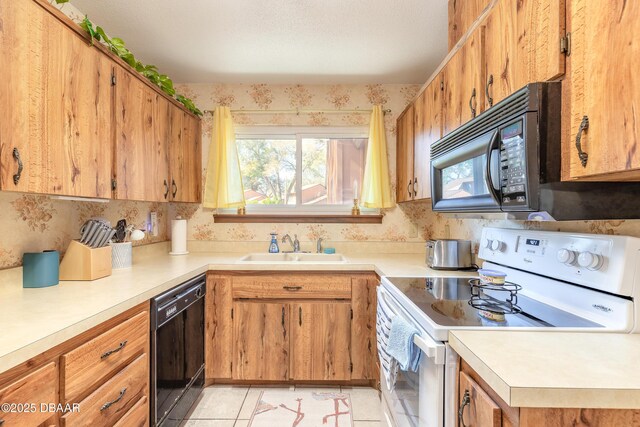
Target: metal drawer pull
292,288
472,102
174,186
584,125
409,188
415,182
115,350
16,177
466,400
300,316
486,90
113,402
166,189
283,317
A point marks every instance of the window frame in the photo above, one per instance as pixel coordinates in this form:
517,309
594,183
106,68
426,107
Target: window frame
298,133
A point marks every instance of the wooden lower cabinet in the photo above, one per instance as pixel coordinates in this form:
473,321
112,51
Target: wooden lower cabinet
106,381
290,327
320,340
260,341
484,408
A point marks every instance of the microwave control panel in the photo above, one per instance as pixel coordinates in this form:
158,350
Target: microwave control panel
513,169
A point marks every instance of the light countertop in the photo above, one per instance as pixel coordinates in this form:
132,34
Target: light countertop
555,369
34,320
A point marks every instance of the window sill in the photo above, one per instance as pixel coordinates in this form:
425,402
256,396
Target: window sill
298,219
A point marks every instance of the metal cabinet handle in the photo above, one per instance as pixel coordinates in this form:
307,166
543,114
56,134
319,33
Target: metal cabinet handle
486,90
409,188
472,102
115,350
300,316
174,187
415,183
113,402
16,156
466,400
292,288
282,317
166,189
584,125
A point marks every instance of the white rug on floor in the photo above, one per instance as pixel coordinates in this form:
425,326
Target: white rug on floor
301,408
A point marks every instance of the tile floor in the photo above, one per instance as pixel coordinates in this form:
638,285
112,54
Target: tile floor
232,406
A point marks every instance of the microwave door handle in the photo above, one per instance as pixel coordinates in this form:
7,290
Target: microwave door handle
492,146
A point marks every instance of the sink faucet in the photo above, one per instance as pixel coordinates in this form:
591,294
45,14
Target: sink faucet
319,245
295,244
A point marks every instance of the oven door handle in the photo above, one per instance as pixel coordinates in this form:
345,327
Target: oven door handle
430,348
492,146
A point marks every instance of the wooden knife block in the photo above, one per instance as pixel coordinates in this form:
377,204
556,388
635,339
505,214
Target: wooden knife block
81,262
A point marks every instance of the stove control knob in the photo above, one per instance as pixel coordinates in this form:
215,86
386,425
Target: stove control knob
566,256
497,245
487,243
590,260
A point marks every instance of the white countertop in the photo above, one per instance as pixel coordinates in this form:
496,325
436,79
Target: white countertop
34,320
555,369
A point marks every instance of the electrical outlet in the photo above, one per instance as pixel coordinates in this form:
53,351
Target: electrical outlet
153,224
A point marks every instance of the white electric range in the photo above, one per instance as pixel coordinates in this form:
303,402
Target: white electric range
559,281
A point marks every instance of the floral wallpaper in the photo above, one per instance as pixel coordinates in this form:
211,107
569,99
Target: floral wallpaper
33,223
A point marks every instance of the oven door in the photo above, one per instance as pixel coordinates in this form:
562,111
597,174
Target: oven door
417,400
466,178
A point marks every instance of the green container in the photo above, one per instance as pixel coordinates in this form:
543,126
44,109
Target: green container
40,269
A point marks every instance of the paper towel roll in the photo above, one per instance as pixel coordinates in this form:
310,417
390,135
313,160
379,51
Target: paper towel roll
179,237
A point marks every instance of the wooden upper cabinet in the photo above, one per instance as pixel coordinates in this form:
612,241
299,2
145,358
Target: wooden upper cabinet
143,134
464,83
55,99
261,341
405,155
428,129
605,90
185,157
476,408
462,14
522,45
320,341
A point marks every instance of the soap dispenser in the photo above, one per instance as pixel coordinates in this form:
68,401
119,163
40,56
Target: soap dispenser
273,246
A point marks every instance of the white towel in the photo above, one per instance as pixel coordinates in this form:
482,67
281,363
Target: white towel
383,326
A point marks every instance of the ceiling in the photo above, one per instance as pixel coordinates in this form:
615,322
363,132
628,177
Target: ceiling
280,41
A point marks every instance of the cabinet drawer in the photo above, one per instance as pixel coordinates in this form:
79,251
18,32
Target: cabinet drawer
35,388
88,365
292,286
113,399
137,416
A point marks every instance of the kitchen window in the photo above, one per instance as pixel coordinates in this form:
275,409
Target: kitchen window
301,170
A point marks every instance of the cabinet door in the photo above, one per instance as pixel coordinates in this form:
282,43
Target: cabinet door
321,341
464,83
500,53
404,155
428,129
477,409
55,99
218,318
364,353
143,131
605,90
462,14
185,158
260,341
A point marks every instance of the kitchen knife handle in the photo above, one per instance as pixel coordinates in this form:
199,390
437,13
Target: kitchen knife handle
466,400
166,189
584,125
16,156
174,187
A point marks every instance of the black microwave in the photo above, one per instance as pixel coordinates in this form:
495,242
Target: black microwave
507,160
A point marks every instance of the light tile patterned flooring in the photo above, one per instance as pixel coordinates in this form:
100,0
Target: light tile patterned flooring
232,406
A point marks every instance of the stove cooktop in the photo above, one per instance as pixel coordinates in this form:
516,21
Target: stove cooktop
445,300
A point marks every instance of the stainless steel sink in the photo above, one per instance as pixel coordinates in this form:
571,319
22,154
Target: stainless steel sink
292,257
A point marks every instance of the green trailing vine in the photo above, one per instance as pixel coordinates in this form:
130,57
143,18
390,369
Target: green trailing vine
117,46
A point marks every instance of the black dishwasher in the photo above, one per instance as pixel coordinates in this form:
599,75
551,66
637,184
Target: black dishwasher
177,351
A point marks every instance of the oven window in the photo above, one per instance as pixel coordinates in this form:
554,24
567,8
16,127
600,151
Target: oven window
465,179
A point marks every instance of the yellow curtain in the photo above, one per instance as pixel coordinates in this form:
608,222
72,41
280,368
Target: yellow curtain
223,186
376,188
